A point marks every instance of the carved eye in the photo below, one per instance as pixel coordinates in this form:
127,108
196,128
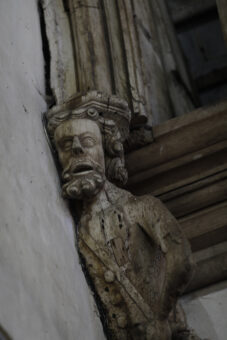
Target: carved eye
66,144
88,141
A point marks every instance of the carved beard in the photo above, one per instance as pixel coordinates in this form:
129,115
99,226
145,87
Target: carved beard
84,179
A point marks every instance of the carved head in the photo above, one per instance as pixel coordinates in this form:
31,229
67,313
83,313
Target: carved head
89,150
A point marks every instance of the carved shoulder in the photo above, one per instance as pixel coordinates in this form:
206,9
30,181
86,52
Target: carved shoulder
160,224
166,232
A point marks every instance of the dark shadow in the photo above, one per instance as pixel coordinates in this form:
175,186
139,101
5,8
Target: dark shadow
4,335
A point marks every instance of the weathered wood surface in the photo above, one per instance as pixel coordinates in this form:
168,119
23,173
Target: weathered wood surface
180,137
198,199
186,167
206,221
213,162
112,52
177,76
107,52
197,182
186,163
186,9
211,267
133,55
114,47
62,73
222,9
93,69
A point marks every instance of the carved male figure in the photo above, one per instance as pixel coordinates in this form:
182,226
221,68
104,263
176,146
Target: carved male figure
132,247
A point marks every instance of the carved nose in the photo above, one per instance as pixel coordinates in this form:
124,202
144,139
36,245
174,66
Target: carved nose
77,147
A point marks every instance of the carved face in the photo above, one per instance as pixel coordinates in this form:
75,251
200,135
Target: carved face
80,151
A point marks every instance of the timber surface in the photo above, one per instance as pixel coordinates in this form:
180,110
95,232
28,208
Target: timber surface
186,167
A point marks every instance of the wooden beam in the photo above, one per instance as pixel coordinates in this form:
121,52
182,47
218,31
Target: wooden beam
181,172
198,199
209,239
180,137
186,167
211,268
195,224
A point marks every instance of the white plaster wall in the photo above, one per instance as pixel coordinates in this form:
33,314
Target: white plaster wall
206,312
43,293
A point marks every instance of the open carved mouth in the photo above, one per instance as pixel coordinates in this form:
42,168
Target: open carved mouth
82,169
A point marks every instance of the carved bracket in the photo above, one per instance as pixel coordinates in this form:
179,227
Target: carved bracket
132,248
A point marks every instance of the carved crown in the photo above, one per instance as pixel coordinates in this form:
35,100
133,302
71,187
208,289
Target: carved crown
94,105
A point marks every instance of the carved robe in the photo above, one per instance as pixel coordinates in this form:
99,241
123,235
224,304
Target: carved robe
138,260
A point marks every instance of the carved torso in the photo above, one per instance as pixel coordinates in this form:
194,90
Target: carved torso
128,251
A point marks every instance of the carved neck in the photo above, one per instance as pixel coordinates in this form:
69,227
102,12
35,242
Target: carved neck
105,198
99,202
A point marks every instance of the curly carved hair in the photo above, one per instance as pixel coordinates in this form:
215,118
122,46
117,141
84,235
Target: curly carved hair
111,137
